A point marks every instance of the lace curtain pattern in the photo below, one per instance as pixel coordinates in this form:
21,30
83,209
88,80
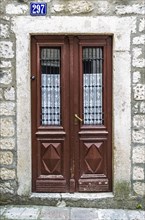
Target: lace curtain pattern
92,86
50,86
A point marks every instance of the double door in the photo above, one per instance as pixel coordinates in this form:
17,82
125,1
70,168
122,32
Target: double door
71,113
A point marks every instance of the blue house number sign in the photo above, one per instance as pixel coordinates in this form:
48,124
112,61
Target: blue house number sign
38,9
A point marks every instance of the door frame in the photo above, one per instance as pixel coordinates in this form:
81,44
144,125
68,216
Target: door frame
121,86
71,46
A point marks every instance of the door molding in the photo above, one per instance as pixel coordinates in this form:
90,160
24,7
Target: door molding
121,49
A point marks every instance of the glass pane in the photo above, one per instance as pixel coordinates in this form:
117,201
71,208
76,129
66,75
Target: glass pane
92,85
50,86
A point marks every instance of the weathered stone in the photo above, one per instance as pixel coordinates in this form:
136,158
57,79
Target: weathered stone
6,188
130,9
138,173
6,49
135,108
139,136
80,7
139,188
138,107
4,30
136,77
7,108
142,107
75,7
6,18
142,24
139,121
5,77
6,157
102,7
9,94
58,8
7,143
5,64
138,61
7,174
16,9
7,127
139,92
138,154
1,94
139,40
121,189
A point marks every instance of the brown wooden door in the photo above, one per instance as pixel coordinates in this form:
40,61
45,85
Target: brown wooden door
71,113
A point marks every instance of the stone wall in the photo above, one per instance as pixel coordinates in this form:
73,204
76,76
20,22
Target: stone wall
11,10
8,152
138,107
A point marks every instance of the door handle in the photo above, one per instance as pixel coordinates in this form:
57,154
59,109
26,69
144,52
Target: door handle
76,116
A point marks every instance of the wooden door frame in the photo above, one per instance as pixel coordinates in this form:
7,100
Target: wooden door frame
74,58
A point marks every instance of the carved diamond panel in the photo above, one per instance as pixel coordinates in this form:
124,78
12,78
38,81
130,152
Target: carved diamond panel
51,158
93,157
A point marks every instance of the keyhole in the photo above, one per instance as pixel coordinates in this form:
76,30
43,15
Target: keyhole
32,77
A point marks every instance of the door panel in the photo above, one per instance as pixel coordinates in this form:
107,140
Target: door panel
95,130
50,127
71,113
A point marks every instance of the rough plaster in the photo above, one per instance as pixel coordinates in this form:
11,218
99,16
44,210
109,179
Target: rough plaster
121,29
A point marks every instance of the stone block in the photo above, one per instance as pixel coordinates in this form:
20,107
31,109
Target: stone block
54,213
138,173
7,127
9,94
139,121
142,24
58,8
139,40
73,7
139,92
139,188
26,213
135,108
5,64
136,77
6,49
7,174
138,136
88,214
79,7
6,77
6,18
7,108
4,30
138,60
111,214
6,157
142,107
6,187
16,9
1,94
102,7
135,215
138,154
7,143
130,9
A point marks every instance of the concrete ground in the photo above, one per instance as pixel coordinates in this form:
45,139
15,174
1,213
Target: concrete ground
67,213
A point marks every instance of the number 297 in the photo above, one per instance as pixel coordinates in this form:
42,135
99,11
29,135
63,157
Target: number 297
38,8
